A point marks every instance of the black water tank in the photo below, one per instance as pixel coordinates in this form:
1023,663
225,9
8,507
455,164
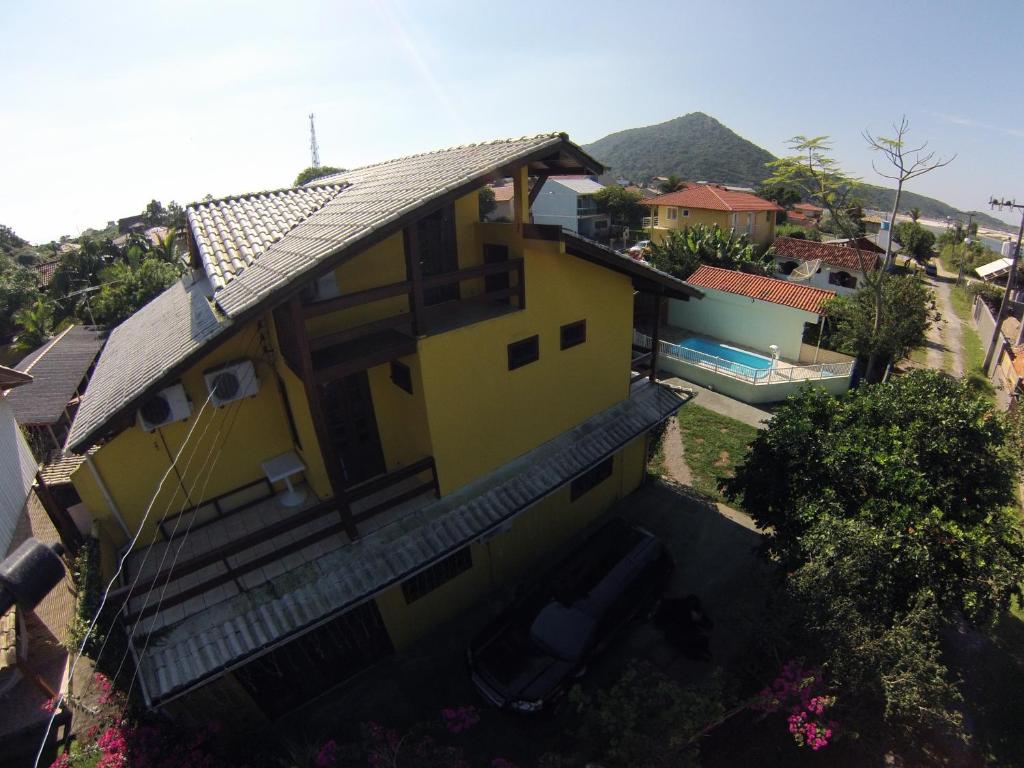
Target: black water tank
29,573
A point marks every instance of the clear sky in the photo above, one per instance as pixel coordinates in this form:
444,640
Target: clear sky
107,105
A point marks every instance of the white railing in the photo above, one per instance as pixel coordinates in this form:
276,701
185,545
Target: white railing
777,374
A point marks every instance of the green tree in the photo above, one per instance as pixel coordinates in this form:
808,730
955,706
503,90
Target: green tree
486,202
888,510
154,214
684,250
175,218
786,195
915,239
307,175
908,309
915,214
35,321
671,184
623,206
18,289
166,249
126,288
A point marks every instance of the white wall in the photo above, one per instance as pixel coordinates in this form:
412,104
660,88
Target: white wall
743,321
17,470
820,278
555,204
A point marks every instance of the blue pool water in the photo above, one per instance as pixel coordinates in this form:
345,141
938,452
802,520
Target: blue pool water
734,359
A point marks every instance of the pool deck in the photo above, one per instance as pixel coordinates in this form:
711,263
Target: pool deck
795,371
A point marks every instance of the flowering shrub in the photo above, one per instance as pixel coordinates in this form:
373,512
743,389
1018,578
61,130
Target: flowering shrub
327,756
802,693
459,719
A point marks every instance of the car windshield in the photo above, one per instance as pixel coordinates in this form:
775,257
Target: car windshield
562,632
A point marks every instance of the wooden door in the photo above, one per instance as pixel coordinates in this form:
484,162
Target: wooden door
438,253
352,426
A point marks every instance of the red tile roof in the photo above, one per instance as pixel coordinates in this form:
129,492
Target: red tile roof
808,208
503,193
833,254
862,242
714,198
762,288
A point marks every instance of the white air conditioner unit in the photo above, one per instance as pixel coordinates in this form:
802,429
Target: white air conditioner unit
166,406
232,382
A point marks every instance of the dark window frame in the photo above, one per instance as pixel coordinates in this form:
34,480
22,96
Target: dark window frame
523,352
592,478
401,376
570,329
437,575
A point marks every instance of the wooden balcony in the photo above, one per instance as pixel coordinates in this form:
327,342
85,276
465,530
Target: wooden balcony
218,550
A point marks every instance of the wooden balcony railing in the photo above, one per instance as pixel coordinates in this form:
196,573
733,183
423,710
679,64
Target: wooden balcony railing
240,544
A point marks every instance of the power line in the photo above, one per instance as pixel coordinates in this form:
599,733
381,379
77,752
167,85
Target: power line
235,409
120,568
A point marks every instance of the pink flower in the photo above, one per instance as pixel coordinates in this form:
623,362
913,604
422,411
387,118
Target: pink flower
327,755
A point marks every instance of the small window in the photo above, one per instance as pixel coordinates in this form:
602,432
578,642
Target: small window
574,334
592,478
673,213
523,352
686,212
425,582
401,376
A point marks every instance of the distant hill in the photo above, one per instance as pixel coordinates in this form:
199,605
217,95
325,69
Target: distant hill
697,147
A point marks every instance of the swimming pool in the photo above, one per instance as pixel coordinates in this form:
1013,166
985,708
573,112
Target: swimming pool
711,353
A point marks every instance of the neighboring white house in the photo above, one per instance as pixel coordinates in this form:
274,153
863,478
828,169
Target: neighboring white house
17,464
568,201
833,266
745,338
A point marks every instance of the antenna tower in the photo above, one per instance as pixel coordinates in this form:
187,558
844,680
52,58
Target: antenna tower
314,150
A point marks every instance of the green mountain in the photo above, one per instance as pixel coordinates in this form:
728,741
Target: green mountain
695,147
699,148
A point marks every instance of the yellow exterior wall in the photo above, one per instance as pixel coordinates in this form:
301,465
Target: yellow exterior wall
763,231
382,264
401,417
508,557
225,450
481,415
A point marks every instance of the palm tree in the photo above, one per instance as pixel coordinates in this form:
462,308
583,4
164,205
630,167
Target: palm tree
915,214
166,248
671,184
35,321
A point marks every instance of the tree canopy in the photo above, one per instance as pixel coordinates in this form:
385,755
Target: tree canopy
889,513
623,205
684,250
308,174
908,309
915,239
486,202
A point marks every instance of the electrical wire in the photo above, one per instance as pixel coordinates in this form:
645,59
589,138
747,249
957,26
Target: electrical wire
106,592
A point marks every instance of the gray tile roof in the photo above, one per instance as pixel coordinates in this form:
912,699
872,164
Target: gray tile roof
376,196
57,369
140,351
204,643
247,259
233,232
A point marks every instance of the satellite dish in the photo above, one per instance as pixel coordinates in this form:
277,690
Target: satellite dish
806,270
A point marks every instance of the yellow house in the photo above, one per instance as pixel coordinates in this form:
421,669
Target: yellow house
711,204
362,411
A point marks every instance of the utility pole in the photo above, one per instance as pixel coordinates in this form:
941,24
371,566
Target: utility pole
1000,204
314,149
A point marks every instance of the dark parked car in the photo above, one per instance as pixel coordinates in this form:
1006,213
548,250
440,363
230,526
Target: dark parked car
931,270
527,656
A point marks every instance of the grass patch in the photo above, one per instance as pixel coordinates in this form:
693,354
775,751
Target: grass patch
919,356
973,351
714,445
